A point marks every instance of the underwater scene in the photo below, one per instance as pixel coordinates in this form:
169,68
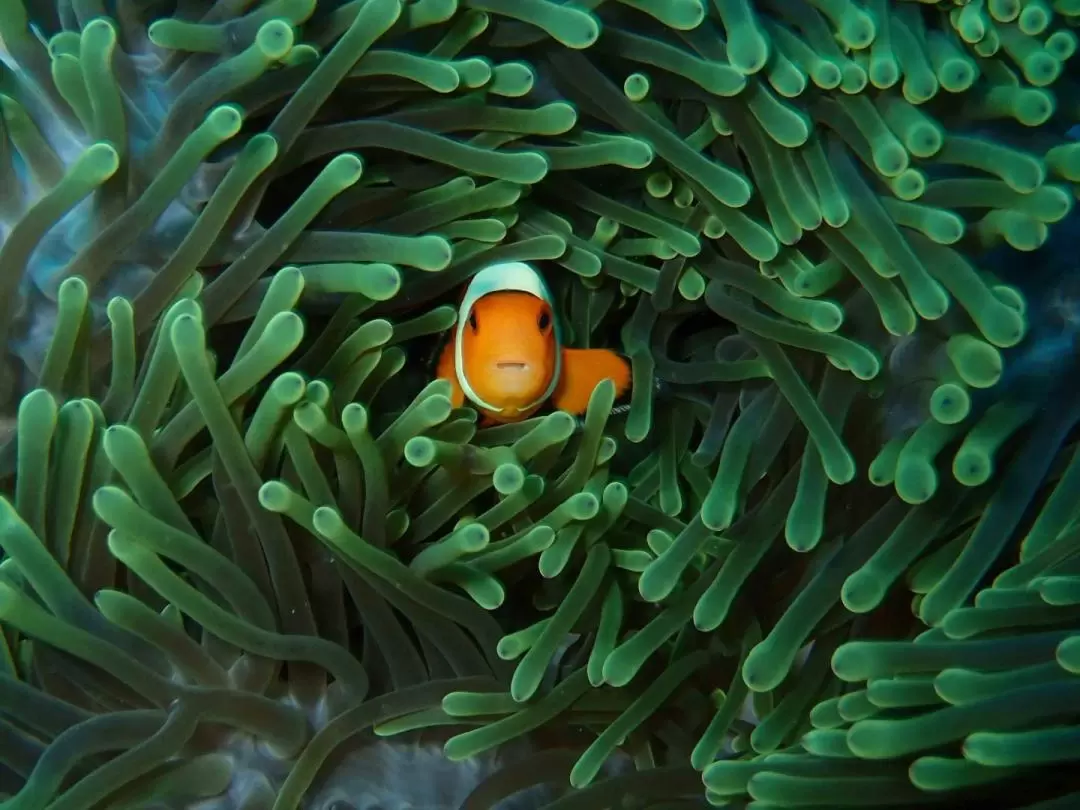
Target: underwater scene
539,404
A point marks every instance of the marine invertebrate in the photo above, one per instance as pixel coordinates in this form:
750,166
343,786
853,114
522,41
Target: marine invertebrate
245,532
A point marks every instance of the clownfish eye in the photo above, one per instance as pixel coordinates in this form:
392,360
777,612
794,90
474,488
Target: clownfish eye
545,322
472,321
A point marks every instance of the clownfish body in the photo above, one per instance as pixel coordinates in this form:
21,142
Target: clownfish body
506,357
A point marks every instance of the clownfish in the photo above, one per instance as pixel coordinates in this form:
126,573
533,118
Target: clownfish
506,355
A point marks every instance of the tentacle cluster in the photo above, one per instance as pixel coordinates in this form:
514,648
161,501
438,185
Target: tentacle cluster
827,558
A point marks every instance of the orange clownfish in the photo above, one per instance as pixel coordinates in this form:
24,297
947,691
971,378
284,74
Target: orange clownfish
506,356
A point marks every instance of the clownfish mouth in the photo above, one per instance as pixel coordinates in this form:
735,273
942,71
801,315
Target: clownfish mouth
512,366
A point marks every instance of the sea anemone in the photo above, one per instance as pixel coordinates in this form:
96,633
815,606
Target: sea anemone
254,556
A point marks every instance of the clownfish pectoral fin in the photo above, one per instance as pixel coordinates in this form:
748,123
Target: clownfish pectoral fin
445,371
582,371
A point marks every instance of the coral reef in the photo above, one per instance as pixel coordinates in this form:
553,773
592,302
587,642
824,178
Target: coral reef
253,557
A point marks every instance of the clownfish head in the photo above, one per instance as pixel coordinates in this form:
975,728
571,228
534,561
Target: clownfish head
508,351
508,348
